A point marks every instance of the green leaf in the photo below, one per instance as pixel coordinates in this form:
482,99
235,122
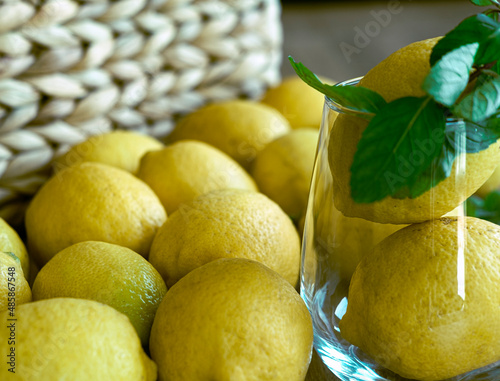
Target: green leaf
480,136
496,67
448,78
482,2
487,208
489,49
441,165
477,28
399,143
482,102
477,138
354,97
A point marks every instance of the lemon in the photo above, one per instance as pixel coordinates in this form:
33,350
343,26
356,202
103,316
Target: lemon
426,305
106,273
301,105
232,319
240,128
350,239
226,224
92,201
492,184
342,241
189,168
284,167
121,149
402,74
73,339
14,288
11,242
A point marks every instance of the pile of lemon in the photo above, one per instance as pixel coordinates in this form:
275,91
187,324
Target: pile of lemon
175,260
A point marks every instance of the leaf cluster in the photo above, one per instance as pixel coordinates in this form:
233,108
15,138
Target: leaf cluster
410,144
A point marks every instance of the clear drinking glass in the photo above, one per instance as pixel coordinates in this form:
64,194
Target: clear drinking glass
333,244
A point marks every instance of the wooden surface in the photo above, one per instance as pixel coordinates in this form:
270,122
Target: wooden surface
314,34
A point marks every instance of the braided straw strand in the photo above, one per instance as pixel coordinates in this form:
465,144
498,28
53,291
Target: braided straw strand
73,69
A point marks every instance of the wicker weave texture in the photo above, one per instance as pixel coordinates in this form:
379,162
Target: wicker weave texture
72,69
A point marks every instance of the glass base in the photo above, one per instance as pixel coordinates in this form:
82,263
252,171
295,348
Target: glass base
347,361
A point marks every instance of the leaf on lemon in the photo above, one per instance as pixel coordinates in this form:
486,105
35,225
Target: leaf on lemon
481,135
449,77
398,145
441,165
353,97
482,102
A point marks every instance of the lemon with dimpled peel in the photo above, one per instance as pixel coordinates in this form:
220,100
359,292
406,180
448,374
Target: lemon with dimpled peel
72,339
240,128
92,201
298,102
187,169
284,167
232,319
106,273
120,149
423,310
230,223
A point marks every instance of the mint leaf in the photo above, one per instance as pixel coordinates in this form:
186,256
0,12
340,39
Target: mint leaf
441,165
399,143
482,2
487,208
482,102
477,28
480,136
489,49
448,78
355,97
496,67
477,138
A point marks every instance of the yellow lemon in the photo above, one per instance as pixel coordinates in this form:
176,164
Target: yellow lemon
402,74
92,201
121,149
284,167
240,128
226,224
348,240
14,288
232,319
341,241
106,273
425,305
11,242
189,168
72,339
297,101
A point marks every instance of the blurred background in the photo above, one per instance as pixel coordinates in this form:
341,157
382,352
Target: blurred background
344,39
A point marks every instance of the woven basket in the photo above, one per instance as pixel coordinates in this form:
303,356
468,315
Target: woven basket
71,69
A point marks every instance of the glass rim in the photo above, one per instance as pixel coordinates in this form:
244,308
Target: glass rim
344,109
333,105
